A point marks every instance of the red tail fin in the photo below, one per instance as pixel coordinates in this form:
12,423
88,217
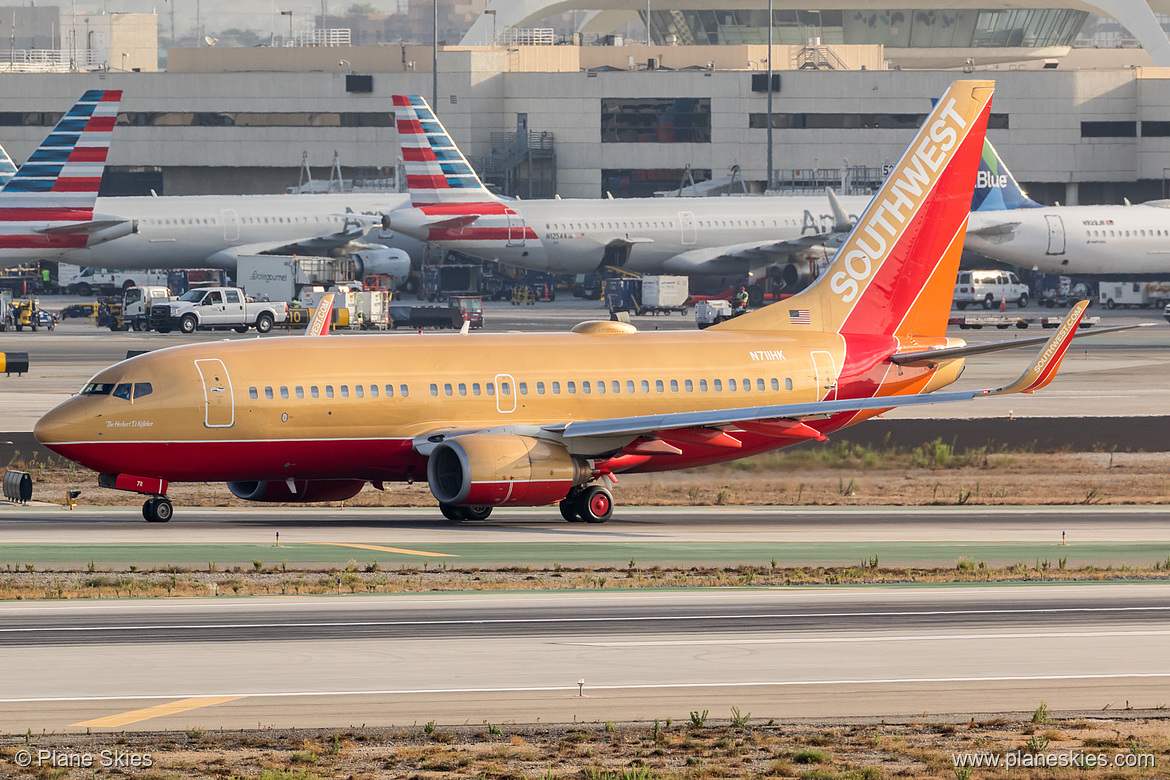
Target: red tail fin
895,273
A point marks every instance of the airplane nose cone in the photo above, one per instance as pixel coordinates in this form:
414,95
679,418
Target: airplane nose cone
55,427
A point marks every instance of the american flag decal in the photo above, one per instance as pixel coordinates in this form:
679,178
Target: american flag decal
798,317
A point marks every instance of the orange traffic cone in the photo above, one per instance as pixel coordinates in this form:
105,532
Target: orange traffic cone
1003,304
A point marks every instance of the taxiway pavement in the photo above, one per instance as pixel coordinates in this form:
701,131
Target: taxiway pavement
115,538
516,658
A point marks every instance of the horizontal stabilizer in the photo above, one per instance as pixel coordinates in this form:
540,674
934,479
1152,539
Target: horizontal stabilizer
933,356
1039,373
86,228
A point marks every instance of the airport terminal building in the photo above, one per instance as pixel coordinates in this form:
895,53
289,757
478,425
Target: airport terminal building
580,120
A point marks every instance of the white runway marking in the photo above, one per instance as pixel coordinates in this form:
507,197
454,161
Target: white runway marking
835,639
603,619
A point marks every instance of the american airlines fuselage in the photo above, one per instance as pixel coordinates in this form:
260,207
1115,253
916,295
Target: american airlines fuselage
645,234
213,230
1098,242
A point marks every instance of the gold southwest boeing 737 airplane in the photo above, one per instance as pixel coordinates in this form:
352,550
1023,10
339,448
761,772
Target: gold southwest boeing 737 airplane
532,419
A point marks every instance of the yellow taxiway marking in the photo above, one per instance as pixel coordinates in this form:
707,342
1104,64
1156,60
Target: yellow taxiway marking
172,708
388,549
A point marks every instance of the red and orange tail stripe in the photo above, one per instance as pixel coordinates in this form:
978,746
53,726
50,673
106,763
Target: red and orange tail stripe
319,325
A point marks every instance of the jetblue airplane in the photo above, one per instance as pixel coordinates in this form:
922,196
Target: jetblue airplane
1113,243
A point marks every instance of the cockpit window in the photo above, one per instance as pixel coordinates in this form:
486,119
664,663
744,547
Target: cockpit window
142,388
122,391
98,388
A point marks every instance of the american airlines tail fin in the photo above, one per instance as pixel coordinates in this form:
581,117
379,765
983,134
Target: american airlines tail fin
995,187
436,171
59,181
7,167
895,272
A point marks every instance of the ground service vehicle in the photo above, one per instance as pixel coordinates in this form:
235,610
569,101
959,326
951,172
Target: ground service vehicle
216,308
453,314
1134,295
180,280
88,281
442,281
133,309
532,419
26,313
712,312
988,288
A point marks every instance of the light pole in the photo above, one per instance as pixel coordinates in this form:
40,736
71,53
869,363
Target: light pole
493,14
289,14
769,120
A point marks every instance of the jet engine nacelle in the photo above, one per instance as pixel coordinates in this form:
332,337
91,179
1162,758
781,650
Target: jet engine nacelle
382,260
307,490
796,274
488,469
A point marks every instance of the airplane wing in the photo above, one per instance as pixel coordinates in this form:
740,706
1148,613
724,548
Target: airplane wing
622,438
309,245
783,416
740,258
993,225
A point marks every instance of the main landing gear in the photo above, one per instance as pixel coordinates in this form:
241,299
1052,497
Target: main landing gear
158,509
593,504
459,513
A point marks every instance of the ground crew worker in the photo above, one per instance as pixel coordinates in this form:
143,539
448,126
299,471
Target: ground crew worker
741,300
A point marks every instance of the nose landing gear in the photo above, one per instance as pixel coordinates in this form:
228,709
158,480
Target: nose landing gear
158,509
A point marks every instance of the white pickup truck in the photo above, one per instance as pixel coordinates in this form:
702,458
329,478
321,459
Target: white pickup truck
216,308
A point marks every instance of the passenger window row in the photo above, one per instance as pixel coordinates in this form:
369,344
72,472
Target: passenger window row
611,387
1124,233
343,391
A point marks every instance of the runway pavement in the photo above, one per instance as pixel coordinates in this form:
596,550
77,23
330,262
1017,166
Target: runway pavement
336,661
322,537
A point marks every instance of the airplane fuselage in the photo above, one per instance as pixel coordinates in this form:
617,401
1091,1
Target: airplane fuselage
1097,242
643,234
211,230
351,407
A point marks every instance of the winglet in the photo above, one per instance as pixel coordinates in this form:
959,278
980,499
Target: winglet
1044,367
319,325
